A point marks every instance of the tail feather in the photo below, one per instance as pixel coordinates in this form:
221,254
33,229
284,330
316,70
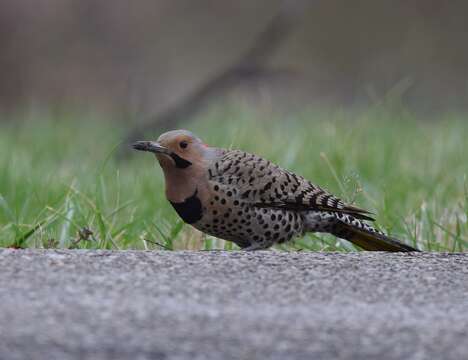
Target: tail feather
369,238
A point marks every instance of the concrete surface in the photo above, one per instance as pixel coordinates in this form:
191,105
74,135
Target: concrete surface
232,305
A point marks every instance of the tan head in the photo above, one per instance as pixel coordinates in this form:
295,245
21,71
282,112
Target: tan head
184,159
177,149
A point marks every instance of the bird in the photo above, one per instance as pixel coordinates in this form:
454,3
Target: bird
243,198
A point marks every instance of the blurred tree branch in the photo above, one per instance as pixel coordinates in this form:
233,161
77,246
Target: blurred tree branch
251,65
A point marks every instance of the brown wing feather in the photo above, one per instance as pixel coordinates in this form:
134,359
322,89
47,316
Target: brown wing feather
351,210
265,184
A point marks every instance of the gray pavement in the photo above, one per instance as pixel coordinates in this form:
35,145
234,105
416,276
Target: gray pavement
232,305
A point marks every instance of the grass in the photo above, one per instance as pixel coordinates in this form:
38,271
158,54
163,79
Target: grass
62,186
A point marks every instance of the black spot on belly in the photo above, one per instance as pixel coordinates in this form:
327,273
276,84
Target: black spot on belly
190,210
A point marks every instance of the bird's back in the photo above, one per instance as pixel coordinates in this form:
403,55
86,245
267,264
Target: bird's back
256,204
231,209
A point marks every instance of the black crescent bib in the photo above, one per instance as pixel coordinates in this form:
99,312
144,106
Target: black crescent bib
190,210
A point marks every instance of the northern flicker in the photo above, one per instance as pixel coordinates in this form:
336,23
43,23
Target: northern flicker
244,198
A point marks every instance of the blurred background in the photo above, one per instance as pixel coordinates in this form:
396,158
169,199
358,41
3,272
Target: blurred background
366,98
138,59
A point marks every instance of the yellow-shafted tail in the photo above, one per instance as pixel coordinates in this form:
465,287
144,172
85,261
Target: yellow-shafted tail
370,239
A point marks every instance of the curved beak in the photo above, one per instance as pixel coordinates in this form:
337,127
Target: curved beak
151,146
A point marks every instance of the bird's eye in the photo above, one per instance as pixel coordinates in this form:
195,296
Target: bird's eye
183,144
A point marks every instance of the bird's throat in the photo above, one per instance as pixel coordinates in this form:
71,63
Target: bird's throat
180,184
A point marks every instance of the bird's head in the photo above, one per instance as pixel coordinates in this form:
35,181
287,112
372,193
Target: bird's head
177,149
